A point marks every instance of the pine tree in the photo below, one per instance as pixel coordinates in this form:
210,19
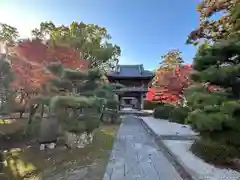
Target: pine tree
6,77
215,114
77,97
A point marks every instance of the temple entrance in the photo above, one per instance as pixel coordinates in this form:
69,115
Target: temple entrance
129,102
135,81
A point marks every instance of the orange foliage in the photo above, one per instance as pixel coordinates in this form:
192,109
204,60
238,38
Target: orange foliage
168,85
29,59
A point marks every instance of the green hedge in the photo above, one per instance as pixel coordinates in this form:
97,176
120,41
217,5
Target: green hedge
215,152
163,111
150,105
179,114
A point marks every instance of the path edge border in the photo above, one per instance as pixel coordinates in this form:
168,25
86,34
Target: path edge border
183,171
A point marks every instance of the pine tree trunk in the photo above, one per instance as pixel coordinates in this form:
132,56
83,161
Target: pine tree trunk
33,110
42,110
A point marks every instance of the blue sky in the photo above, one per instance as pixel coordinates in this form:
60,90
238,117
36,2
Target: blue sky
144,29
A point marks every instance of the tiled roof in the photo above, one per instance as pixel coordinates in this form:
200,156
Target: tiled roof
132,89
130,71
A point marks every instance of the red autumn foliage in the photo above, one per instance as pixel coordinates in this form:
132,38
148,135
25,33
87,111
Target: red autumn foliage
171,85
30,57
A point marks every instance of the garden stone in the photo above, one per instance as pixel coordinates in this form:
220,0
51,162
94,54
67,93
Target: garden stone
73,140
48,130
42,147
107,117
51,145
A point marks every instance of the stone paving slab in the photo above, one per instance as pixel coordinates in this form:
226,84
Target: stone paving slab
179,149
136,156
166,128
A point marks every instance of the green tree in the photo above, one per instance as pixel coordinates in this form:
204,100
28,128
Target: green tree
8,35
6,77
171,60
77,98
216,106
92,41
212,29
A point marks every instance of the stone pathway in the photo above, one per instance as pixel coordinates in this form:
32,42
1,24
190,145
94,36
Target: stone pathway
177,140
136,156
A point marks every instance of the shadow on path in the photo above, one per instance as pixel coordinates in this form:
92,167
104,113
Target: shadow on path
135,155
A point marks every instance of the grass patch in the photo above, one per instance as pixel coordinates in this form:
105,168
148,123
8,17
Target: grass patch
87,163
10,126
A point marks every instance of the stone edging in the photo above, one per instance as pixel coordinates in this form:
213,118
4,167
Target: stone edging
178,165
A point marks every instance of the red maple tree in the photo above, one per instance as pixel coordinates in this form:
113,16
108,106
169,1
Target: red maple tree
170,86
30,57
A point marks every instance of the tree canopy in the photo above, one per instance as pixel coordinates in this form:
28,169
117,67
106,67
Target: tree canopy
90,40
8,34
211,29
215,112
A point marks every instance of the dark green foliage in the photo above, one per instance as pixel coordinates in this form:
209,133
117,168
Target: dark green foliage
163,111
179,114
74,126
56,68
45,100
202,121
78,98
73,102
216,114
61,84
6,77
73,75
112,104
215,152
199,97
219,64
111,116
150,105
92,123
6,74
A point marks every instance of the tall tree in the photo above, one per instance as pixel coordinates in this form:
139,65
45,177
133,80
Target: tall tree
170,87
171,60
211,29
215,114
30,59
6,77
8,35
91,41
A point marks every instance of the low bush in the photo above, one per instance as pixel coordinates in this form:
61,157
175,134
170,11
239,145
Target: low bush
163,111
215,152
111,117
203,121
150,105
179,114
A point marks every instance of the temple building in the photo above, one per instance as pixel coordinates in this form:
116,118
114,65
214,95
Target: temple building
135,81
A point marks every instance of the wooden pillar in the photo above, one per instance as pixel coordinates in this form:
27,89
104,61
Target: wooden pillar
116,97
142,101
120,102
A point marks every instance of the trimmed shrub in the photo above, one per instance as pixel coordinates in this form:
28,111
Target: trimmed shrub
202,121
214,151
111,117
74,126
179,114
150,105
163,111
